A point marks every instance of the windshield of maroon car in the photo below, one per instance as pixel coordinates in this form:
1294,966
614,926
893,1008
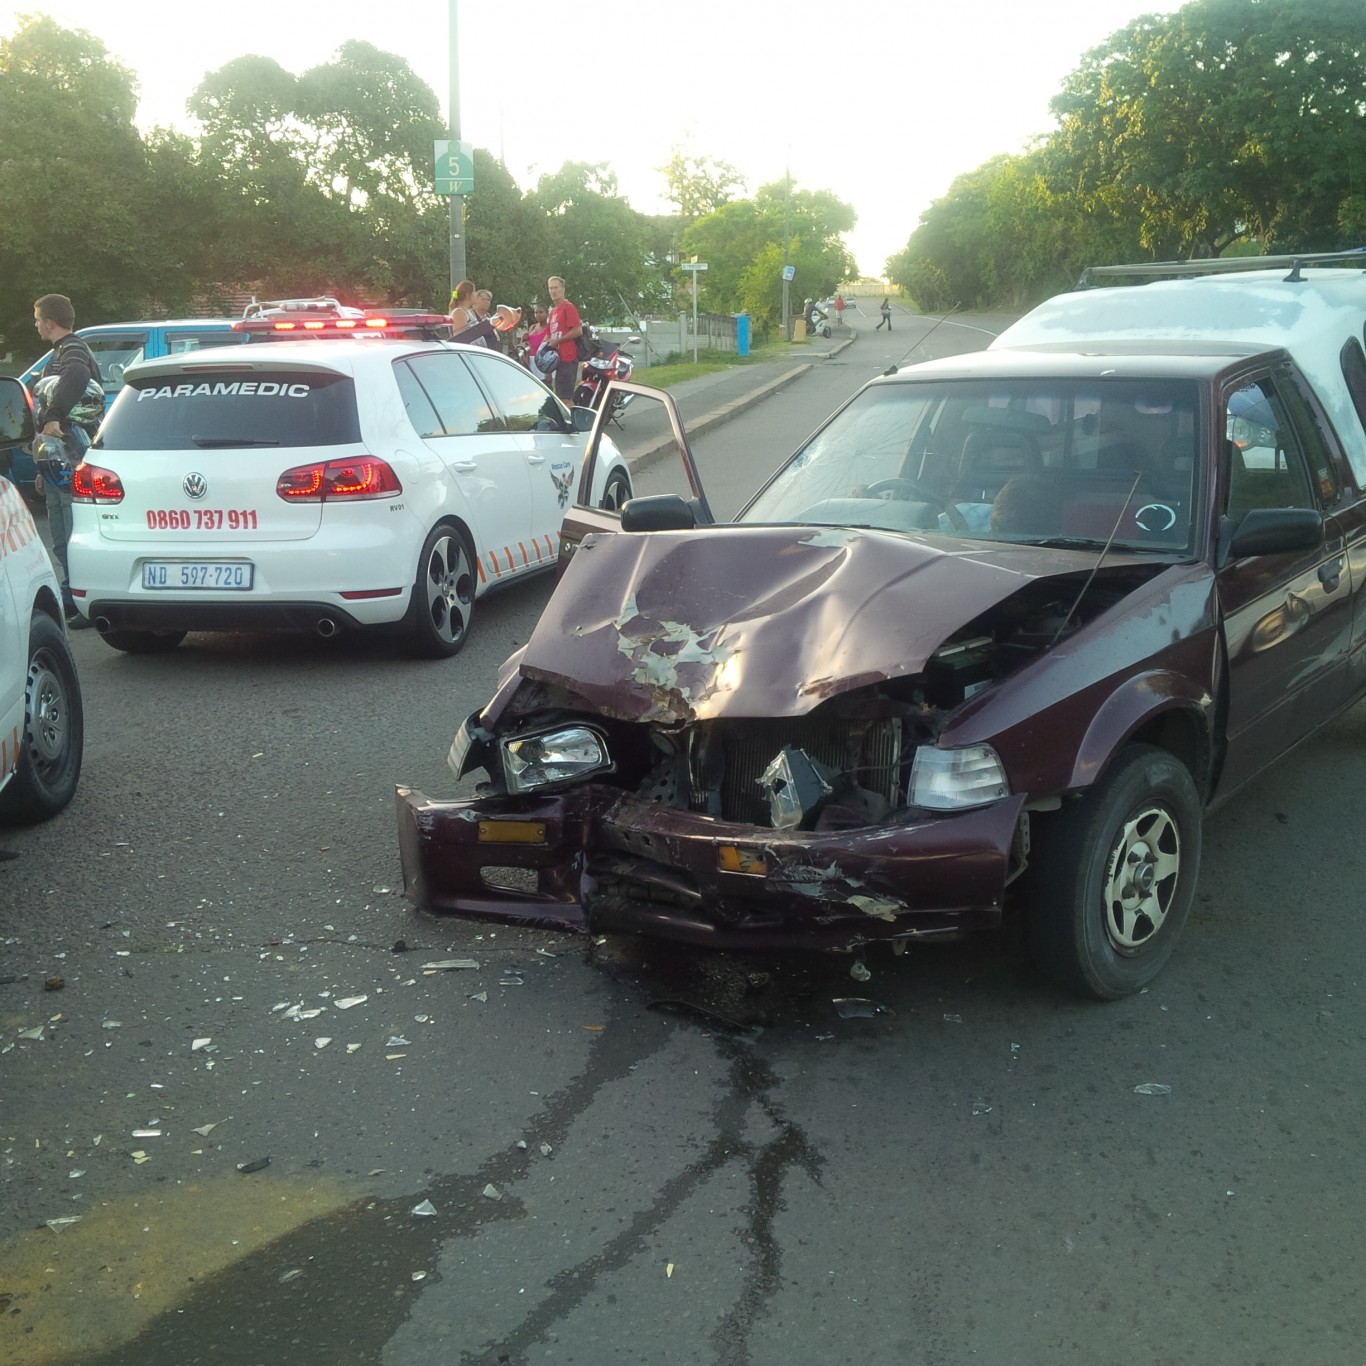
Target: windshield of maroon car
1020,460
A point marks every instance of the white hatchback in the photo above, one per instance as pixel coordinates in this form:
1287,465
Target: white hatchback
41,729
324,486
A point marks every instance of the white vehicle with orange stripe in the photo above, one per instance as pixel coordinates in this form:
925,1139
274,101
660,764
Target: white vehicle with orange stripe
41,728
324,485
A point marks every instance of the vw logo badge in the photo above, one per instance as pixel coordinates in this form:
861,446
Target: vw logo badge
195,485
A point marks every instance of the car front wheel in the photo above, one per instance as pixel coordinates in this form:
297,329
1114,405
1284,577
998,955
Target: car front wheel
616,493
1115,877
53,737
443,596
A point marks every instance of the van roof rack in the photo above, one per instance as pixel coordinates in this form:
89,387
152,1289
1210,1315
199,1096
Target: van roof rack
1093,276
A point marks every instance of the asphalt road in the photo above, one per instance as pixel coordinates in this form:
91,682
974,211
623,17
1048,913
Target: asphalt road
617,1174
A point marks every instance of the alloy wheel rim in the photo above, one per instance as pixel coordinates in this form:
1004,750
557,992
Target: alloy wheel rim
1141,878
450,589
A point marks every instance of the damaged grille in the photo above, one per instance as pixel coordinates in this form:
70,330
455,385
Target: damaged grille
727,760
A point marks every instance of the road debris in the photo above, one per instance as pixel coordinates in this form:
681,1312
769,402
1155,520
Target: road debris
348,1001
398,1041
1152,1088
858,970
424,1209
140,1156
146,1133
35,1033
204,1130
491,1192
54,984
57,1225
480,996
292,1274
258,1165
322,1042
690,1009
859,1008
451,965
197,1044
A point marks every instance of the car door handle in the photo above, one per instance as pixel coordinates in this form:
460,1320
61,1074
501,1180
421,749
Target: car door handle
534,459
1330,575
464,466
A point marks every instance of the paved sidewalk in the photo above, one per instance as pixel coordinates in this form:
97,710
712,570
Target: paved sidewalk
713,399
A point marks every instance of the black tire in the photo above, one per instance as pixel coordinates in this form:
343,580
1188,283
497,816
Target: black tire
618,490
443,596
53,738
1115,876
143,642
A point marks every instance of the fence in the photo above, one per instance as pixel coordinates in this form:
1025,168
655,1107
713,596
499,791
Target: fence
663,337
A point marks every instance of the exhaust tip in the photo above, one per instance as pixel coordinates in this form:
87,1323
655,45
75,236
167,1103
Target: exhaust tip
327,627
102,625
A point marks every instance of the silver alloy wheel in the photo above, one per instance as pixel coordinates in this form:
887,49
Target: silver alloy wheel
1141,878
49,720
450,588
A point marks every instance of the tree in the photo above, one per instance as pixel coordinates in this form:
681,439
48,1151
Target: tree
738,242
73,179
1273,88
506,244
699,185
596,241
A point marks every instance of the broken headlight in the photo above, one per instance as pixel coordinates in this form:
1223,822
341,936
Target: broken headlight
952,779
553,757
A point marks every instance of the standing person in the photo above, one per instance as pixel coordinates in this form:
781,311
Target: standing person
467,324
566,327
537,333
70,405
886,311
839,308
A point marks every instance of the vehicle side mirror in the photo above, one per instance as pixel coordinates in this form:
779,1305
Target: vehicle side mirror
583,418
659,512
16,414
1274,531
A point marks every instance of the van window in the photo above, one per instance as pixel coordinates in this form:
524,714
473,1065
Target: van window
194,339
114,351
204,409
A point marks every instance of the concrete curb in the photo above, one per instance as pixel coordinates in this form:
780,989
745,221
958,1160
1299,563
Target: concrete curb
705,423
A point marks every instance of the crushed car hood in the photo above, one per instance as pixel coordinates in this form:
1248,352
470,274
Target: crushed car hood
763,621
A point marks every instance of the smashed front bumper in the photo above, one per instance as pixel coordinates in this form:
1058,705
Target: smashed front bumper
592,858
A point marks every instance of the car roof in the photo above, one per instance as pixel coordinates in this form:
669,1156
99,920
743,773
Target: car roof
216,323
1137,361
346,356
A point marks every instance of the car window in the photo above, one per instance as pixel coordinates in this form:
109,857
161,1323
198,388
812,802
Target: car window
1020,459
115,351
204,409
1266,462
193,340
459,406
525,403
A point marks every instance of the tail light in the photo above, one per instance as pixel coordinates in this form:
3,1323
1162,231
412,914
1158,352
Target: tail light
94,484
327,481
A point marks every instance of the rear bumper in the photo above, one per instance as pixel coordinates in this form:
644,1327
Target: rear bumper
113,615
607,861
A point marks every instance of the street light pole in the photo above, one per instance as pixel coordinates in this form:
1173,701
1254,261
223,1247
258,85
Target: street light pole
457,200
787,249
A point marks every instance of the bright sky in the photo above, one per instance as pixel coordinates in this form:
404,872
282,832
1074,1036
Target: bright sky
883,102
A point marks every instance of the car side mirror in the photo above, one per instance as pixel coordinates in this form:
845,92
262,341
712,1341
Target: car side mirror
583,418
16,414
659,512
1274,531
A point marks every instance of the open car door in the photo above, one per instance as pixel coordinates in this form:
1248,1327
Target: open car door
667,490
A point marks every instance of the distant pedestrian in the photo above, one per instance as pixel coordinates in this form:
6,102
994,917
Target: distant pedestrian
886,311
839,308
70,403
566,327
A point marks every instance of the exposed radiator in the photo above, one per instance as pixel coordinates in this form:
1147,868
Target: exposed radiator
731,756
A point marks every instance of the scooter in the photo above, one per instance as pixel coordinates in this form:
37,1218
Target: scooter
606,364
817,321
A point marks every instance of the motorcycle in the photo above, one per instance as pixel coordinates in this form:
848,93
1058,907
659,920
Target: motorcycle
817,320
608,362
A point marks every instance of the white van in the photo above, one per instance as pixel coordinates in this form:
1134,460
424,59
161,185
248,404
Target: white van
41,721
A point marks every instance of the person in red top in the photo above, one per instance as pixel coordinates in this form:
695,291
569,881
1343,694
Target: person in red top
565,329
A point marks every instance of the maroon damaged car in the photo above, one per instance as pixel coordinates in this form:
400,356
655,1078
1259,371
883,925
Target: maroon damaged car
988,644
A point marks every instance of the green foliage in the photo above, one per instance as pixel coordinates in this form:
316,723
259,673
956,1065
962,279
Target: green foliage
322,183
742,244
1228,125
700,185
